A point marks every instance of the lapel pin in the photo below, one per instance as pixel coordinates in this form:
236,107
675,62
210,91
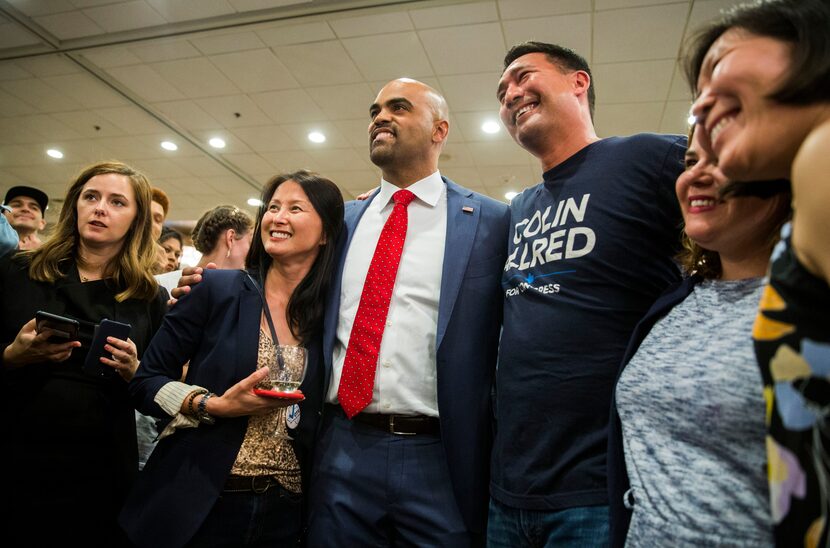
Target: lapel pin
467,209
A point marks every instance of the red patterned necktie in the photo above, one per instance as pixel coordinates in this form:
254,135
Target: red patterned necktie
358,378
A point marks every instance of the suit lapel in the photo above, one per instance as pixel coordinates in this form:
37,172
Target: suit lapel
250,310
463,211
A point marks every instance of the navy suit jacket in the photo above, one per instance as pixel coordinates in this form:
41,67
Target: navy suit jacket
618,484
216,327
469,321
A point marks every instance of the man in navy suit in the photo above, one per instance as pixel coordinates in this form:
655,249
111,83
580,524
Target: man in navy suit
411,466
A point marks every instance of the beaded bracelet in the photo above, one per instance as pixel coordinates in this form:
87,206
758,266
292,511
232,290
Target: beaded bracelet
191,397
201,410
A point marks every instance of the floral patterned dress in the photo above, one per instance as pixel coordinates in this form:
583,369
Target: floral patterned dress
792,342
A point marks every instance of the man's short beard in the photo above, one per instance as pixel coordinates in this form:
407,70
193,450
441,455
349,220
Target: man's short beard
381,158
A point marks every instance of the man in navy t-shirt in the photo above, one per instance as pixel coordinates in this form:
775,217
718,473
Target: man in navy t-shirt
590,250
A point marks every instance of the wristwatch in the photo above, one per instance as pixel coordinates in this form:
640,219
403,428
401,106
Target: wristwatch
201,410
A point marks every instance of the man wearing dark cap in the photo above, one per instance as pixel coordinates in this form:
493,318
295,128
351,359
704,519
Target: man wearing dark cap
28,208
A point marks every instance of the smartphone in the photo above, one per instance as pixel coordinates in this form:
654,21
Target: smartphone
64,329
107,328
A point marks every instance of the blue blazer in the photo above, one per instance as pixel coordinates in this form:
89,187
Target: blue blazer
216,327
618,483
469,322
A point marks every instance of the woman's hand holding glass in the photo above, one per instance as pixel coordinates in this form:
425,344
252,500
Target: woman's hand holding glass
239,400
29,346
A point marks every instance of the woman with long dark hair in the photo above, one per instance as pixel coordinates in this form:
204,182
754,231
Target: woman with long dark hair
226,472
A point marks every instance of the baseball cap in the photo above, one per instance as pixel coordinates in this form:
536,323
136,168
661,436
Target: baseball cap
38,195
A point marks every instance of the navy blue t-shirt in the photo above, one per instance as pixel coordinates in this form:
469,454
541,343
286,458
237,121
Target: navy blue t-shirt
590,249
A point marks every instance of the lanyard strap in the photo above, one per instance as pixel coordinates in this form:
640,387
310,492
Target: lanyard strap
267,311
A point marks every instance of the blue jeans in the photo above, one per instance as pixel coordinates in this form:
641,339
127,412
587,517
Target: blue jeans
581,527
269,519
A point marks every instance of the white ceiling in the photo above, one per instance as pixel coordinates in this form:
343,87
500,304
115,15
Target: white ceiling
111,79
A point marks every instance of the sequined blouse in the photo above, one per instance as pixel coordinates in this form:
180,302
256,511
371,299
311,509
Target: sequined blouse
267,449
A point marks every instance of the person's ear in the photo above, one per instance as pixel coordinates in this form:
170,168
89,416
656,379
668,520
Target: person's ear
440,131
581,82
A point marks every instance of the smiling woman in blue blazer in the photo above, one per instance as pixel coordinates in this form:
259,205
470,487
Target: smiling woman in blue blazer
221,475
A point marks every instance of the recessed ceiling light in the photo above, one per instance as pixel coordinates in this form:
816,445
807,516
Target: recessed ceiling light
691,120
256,202
217,142
54,153
169,145
316,137
490,127
510,195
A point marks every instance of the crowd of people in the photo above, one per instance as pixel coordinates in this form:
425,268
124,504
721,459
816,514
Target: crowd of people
634,351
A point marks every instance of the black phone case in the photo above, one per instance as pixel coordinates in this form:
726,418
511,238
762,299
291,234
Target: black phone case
66,329
107,328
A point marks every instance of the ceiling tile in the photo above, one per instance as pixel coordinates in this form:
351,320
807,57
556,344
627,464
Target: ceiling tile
299,134
200,166
188,10
270,138
615,4
85,122
571,31
195,77
471,92
87,90
165,51
290,160
289,106
450,53
66,26
226,109
37,92
462,14
355,131
12,106
301,33
456,155
124,16
188,115
132,120
348,101
675,117
93,3
110,57
627,119
161,167
329,159
33,8
49,65
319,64
255,70
248,163
469,124
13,35
707,10
14,131
145,82
50,128
633,82
380,23
495,153
225,43
131,148
638,33
247,5
521,9
390,56
679,90
13,70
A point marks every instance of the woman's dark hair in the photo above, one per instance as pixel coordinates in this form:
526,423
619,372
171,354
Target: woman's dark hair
803,24
304,312
213,224
169,233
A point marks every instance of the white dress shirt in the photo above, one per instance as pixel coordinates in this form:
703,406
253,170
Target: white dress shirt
405,378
